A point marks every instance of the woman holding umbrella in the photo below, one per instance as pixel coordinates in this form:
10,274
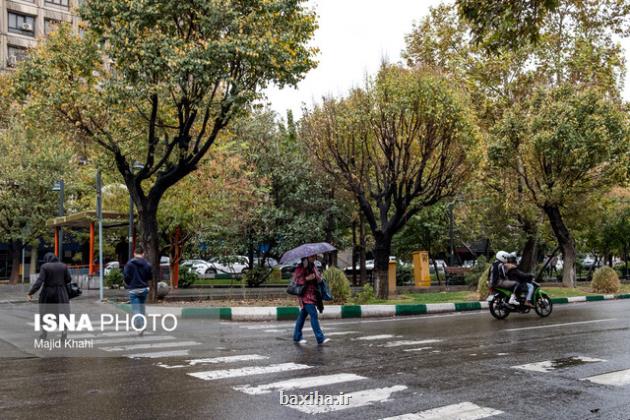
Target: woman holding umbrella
310,301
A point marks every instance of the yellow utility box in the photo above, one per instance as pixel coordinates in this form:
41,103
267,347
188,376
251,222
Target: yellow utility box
391,277
421,274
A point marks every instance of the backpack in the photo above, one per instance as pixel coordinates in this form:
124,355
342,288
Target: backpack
496,274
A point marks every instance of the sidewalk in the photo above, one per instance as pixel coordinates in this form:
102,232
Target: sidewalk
290,313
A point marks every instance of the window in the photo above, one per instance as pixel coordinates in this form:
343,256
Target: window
50,25
21,24
62,3
15,54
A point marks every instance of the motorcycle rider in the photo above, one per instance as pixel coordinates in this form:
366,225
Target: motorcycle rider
522,279
498,275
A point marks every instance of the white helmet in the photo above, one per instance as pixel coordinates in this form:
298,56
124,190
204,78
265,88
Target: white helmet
503,256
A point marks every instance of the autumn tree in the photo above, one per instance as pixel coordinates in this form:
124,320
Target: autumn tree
402,143
158,82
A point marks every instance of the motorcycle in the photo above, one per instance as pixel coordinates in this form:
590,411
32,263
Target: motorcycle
500,308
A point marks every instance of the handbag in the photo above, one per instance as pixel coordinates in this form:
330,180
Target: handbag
73,290
295,289
324,290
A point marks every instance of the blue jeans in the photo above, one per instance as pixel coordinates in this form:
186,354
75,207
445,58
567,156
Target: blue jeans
137,307
308,310
530,292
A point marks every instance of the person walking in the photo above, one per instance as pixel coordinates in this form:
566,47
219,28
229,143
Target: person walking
307,275
53,298
137,275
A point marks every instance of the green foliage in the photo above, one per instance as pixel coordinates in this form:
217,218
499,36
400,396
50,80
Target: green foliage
472,278
366,295
114,278
404,275
482,284
257,276
187,276
605,280
339,285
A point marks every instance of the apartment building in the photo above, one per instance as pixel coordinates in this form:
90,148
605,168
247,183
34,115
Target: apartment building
24,22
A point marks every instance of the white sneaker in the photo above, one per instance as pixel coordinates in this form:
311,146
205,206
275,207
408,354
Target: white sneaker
302,342
513,300
326,340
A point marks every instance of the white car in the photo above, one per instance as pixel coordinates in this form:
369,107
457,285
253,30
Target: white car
112,265
369,265
199,266
233,264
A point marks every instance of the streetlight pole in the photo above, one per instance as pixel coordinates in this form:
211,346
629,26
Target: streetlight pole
60,187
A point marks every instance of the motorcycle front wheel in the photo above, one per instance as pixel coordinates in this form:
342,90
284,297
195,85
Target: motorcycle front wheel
544,306
498,307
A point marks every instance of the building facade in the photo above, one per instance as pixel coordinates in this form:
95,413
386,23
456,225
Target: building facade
24,22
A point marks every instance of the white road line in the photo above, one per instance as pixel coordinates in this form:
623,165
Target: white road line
548,365
151,346
409,343
299,383
354,400
376,337
618,378
132,339
155,355
223,359
595,321
418,349
211,375
462,411
341,333
274,330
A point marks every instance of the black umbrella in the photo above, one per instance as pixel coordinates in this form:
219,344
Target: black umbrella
306,250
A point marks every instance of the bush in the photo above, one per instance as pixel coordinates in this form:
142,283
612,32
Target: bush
482,284
605,280
366,295
114,279
472,278
257,276
187,276
339,285
404,275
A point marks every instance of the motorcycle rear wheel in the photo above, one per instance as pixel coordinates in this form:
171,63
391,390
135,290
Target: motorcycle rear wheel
543,307
498,307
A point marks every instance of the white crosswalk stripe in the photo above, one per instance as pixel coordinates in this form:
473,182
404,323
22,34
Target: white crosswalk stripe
461,411
97,334
347,401
135,339
334,333
158,354
150,346
247,371
617,378
550,365
376,337
214,360
409,343
418,349
299,383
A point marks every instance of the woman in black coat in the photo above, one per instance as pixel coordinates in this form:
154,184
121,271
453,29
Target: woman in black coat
53,279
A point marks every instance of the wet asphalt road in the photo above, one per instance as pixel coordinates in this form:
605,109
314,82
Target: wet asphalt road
389,367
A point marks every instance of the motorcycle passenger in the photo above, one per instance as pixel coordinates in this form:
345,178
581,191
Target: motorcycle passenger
522,279
498,275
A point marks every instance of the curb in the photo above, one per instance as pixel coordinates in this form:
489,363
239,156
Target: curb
290,313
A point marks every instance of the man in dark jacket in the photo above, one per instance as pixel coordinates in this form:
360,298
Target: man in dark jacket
53,299
138,273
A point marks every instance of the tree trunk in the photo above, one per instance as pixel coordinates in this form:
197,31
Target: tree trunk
566,243
362,270
381,264
14,252
530,255
34,258
354,253
147,216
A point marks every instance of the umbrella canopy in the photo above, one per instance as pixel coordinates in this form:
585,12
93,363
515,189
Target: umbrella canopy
306,250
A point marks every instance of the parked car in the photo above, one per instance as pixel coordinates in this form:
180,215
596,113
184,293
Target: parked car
369,265
233,264
112,265
441,265
269,262
289,268
198,266
590,261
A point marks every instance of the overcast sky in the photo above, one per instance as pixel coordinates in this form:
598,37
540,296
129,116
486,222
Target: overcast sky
353,37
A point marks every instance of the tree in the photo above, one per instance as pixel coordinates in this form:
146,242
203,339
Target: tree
402,143
158,82
570,144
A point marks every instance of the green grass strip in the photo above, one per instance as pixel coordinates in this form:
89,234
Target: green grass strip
467,306
351,311
417,309
287,313
207,313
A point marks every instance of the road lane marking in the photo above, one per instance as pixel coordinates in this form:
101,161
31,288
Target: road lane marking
341,333
409,343
132,339
155,355
595,321
376,337
151,346
299,383
418,349
211,375
461,411
355,400
214,360
550,365
618,378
